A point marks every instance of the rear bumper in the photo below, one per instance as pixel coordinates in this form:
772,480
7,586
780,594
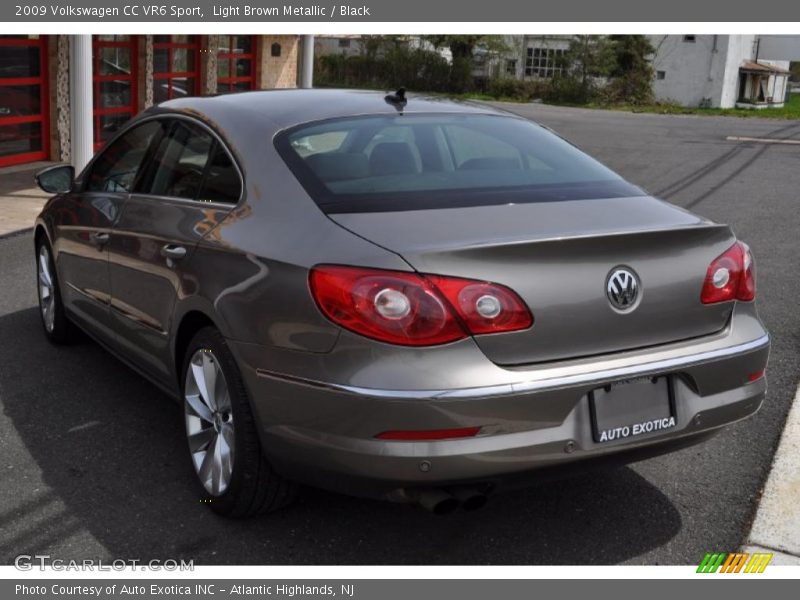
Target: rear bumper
322,433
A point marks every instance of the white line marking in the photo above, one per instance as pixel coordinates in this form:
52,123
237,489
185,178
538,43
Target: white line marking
739,138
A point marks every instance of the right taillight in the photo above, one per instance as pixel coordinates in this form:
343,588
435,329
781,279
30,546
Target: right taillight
411,309
730,276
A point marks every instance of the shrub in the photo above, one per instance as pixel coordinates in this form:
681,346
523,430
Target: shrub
415,69
521,91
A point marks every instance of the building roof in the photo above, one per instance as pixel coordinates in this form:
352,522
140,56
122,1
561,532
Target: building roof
757,67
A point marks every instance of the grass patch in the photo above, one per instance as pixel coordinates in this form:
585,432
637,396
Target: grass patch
790,110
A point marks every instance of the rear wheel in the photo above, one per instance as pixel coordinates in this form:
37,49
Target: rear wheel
57,326
223,442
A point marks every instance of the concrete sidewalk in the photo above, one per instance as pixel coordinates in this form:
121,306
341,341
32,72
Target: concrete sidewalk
776,527
20,197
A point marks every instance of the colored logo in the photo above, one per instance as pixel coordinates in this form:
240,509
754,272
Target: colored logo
734,562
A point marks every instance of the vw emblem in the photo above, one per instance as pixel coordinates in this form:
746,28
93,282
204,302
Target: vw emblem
622,289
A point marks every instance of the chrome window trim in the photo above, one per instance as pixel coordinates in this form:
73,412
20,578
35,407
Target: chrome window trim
195,121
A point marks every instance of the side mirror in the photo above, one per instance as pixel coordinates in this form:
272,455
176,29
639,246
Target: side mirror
56,179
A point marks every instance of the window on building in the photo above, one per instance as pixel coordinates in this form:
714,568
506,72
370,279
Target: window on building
544,62
275,49
690,38
344,43
511,67
114,64
236,63
176,63
661,75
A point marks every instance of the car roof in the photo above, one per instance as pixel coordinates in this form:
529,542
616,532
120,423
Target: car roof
281,109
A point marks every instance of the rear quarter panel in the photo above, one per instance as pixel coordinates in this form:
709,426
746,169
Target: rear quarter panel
251,270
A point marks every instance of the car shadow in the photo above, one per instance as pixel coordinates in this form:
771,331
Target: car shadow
110,450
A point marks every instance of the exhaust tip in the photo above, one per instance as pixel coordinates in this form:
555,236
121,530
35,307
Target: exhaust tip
471,498
475,502
438,502
445,507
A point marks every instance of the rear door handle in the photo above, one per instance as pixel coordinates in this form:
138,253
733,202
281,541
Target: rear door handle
173,252
99,238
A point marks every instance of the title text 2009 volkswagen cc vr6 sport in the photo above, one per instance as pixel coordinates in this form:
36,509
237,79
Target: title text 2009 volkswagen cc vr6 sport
404,298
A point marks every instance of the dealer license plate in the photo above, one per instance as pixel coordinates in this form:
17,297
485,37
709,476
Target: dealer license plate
632,408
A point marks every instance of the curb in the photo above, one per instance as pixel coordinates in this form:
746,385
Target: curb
15,233
776,527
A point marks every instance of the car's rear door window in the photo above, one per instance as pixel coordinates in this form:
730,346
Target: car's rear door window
414,161
222,182
191,163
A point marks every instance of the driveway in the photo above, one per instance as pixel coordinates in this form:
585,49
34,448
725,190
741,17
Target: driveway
20,198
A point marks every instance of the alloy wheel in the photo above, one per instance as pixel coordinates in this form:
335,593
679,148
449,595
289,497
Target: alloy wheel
209,422
46,289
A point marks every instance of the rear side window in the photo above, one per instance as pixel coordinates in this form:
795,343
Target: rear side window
191,163
117,166
409,162
221,183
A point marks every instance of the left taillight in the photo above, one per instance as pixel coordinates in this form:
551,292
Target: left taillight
730,276
410,309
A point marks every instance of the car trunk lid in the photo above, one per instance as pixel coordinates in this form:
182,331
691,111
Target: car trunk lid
558,257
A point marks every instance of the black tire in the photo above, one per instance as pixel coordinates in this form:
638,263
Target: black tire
60,329
254,488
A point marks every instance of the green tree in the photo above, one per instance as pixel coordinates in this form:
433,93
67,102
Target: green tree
633,70
588,57
371,45
795,69
462,49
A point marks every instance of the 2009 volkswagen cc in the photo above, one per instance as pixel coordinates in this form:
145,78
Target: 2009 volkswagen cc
403,298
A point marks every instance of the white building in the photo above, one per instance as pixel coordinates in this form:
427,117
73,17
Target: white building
528,57
346,45
723,71
693,70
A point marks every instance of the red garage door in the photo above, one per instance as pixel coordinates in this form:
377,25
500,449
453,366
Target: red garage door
115,80
236,63
24,114
176,66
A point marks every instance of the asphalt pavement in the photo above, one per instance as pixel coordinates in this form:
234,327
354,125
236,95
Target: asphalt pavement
93,461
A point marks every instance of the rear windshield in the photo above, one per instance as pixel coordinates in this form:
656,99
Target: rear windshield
412,162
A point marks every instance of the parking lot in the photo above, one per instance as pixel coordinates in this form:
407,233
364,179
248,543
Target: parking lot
94,461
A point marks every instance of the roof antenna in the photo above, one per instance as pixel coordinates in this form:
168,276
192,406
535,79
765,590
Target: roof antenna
398,99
